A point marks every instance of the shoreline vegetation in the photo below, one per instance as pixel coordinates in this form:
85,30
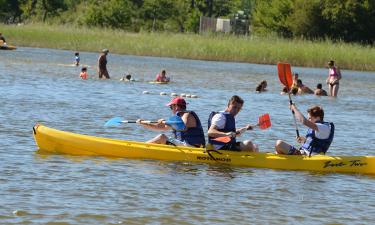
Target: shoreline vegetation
210,46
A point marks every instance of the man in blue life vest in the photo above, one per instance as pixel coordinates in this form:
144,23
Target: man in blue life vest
192,136
319,134
223,124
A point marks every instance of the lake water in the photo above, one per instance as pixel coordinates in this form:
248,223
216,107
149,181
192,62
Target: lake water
39,85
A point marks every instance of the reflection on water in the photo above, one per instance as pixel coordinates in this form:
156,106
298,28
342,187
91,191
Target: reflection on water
36,85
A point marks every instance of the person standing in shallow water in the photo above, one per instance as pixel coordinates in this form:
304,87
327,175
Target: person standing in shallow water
77,59
102,65
334,75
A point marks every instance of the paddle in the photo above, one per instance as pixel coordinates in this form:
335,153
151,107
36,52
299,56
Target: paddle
285,77
175,122
264,122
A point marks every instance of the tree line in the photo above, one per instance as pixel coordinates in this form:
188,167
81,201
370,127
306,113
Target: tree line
345,20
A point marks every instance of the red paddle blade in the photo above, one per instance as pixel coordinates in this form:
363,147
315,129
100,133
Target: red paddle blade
224,139
285,74
264,121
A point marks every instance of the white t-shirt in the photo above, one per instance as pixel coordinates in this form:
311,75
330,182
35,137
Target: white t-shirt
219,120
324,131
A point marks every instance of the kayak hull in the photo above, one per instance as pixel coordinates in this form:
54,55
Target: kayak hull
62,142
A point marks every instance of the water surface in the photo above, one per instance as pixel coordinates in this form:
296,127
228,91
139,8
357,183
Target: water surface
39,85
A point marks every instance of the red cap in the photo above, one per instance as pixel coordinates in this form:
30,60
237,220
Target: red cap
177,101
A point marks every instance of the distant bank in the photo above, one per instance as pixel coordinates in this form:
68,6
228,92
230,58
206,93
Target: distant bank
193,46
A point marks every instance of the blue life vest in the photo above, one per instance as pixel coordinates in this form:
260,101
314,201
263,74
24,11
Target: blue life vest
316,145
230,126
193,135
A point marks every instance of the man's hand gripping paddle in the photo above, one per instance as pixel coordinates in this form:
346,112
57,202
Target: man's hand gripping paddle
264,122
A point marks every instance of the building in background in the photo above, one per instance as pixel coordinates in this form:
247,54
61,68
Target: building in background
238,24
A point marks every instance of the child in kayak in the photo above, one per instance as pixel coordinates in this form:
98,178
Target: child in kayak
319,134
83,75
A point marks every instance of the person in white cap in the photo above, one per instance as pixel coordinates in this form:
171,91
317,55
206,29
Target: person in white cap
102,65
192,136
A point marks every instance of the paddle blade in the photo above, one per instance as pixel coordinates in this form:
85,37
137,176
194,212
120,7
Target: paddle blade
116,121
224,139
285,74
176,123
264,121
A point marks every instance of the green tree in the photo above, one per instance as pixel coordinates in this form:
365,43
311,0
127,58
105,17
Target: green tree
306,19
350,20
156,12
111,14
10,11
270,16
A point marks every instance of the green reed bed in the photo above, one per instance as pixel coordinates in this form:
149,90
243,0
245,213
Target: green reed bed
218,47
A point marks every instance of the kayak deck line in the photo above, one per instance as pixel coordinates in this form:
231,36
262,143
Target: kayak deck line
56,141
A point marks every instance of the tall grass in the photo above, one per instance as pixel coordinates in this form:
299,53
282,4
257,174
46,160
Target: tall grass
206,47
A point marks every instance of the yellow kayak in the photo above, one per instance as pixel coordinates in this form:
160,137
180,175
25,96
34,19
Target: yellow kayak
62,142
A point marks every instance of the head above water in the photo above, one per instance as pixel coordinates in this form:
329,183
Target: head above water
105,51
76,54
84,69
319,86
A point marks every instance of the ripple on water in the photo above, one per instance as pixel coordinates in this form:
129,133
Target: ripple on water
58,189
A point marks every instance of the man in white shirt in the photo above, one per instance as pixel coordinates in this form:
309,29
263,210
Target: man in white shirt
223,124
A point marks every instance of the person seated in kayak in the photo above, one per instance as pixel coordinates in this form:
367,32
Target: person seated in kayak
192,136
76,59
303,89
261,87
319,91
2,40
319,134
223,123
83,75
162,77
